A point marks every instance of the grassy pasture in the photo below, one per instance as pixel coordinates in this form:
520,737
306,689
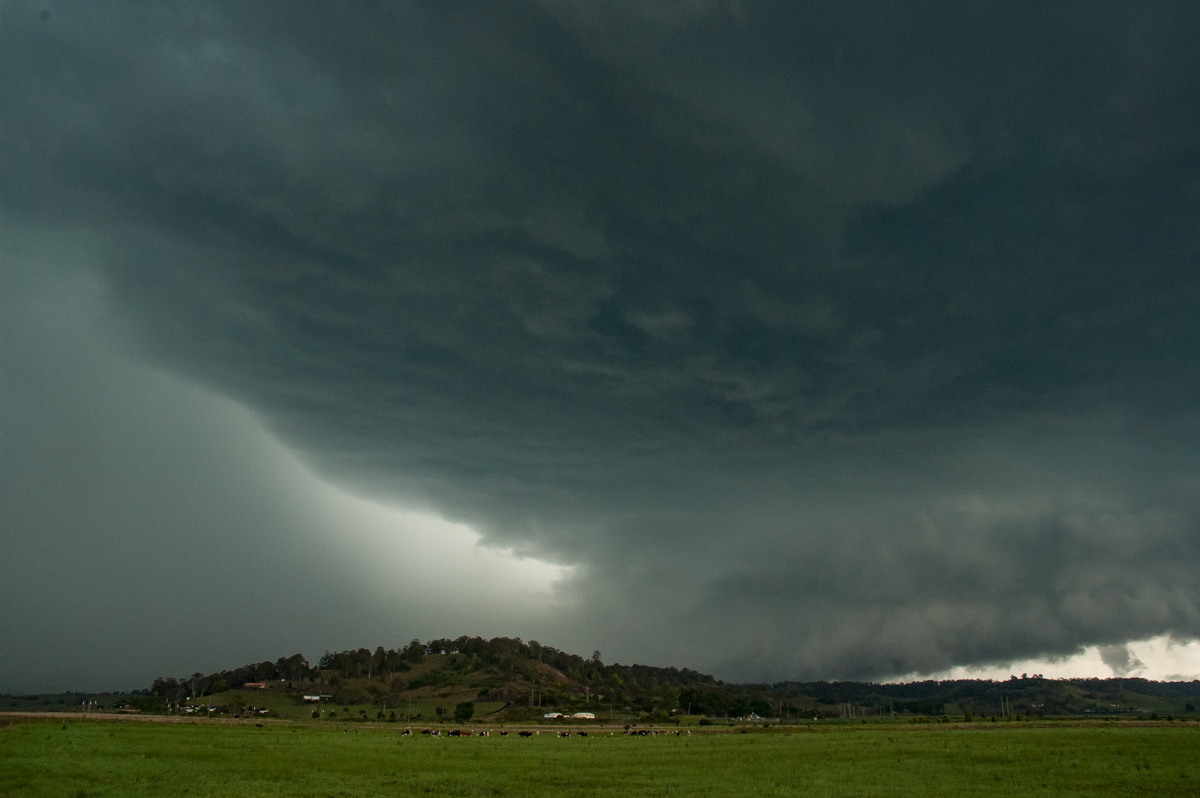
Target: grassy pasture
81,758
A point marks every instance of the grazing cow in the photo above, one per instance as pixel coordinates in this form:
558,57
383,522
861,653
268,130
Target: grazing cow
582,734
525,733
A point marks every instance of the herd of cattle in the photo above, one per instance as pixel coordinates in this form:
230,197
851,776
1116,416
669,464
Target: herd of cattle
488,733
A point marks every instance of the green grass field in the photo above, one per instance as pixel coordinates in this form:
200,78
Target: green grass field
85,758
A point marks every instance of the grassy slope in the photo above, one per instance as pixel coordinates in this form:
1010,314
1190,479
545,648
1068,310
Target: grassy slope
420,704
285,706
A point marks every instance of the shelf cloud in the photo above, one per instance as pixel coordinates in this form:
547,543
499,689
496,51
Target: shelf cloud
804,341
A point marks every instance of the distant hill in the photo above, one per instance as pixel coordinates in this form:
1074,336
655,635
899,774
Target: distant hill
509,679
525,680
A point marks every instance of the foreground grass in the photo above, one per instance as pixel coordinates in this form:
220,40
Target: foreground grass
40,758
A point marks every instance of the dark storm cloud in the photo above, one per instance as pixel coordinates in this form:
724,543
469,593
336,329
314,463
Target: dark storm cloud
858,337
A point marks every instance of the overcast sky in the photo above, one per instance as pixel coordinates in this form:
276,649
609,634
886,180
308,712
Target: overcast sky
777,340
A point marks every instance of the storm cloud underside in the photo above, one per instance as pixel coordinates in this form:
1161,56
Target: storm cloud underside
824,340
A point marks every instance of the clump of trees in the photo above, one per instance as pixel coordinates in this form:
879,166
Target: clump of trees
364,663
294,670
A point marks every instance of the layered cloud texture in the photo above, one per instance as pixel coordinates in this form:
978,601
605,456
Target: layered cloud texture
813,340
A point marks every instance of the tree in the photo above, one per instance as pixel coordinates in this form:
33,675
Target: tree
293,668
414,652
169,690
464,712
378,659
197,685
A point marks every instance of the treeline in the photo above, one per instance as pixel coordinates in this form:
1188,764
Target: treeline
738,701
1027,695
294,669
950,690
364,663
1146,687
511,656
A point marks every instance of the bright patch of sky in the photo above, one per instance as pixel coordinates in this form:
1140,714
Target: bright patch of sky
1161,658
425,561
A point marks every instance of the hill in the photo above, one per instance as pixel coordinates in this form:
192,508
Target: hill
502,676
